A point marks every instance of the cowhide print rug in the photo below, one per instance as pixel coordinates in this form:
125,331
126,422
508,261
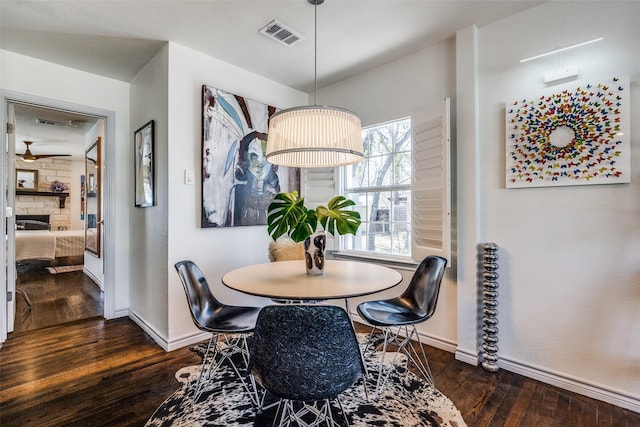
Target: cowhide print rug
406,400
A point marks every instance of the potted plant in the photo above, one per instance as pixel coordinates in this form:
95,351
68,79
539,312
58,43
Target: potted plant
287,215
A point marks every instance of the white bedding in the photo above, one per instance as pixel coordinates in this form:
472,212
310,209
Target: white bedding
39,244
69,243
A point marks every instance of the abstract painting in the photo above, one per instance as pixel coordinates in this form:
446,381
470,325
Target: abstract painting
144,166
238,183
570,136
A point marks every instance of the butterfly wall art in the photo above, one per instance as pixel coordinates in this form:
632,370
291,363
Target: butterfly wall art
570,136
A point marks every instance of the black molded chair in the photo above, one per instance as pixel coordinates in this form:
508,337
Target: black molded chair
231,323
415,305
306,355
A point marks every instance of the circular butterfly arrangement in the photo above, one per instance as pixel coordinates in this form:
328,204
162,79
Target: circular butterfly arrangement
567,136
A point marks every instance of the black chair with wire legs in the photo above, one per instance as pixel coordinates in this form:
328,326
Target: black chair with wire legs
397,317
305,355
227,323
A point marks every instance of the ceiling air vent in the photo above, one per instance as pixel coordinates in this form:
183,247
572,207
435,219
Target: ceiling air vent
72,123
49,122
281,33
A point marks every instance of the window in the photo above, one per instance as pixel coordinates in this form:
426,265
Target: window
381,187
401,188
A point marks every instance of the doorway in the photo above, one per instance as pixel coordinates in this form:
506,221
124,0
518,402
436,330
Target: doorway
53,284
68,278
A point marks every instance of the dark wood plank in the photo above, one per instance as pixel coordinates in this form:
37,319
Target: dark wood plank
518,414
105,373
56,376
55,298
508,399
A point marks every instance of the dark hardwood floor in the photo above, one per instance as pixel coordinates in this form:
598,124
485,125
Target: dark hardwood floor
54,298
86,373
96,372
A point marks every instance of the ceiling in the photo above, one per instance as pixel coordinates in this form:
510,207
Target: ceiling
51,131
117,38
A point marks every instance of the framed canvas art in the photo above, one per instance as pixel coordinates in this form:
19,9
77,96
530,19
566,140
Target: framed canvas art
570,136
26,179
238,183
144,166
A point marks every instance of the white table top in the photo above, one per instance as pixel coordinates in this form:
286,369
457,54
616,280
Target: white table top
289,280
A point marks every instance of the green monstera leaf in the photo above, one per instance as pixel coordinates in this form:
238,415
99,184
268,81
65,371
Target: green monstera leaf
287,215
337,218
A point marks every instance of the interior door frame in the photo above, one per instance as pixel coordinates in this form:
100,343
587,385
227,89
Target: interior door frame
108,188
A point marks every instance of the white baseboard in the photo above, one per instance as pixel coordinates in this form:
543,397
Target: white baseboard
94,278
575,385
188,340
120,313
157,337
162,341
466,357
564,382
437,342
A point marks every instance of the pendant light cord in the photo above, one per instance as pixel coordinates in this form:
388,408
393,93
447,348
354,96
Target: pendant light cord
315,52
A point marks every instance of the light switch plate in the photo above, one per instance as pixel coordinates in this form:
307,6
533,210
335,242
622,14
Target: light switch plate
188,177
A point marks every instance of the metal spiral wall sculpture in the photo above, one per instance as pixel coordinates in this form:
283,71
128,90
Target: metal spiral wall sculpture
490,308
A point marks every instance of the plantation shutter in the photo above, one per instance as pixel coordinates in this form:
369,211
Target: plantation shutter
318,186
430,185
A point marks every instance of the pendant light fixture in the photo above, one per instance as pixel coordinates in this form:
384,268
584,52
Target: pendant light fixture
314,136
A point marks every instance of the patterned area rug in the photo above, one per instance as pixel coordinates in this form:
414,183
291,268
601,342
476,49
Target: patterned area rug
64,269
406,400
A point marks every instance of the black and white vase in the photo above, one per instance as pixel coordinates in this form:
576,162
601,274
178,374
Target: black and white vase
314,247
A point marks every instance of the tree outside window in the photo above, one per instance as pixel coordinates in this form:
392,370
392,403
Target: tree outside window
381,187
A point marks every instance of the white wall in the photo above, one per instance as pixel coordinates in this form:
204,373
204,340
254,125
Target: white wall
215,250
467,193
149,227
409,86
569,257
34,77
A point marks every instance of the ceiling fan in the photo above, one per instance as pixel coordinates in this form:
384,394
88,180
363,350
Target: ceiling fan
28,156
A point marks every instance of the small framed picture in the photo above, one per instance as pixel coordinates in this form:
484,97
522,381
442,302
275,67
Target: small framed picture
144,166
26,179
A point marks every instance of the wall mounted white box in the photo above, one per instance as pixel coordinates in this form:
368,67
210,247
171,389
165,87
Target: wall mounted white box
564,73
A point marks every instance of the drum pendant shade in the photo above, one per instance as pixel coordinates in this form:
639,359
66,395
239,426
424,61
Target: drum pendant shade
314,136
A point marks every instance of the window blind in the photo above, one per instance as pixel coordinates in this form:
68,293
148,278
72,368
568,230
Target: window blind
430,184
318,186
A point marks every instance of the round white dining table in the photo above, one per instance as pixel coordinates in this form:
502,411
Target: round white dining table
289,280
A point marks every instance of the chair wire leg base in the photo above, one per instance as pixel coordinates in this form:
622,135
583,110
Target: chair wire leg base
297,414
404,345
369,341
204,368
216,355
238,344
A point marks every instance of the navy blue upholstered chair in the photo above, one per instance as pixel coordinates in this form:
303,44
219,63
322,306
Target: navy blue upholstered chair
306,355
228,323
415,305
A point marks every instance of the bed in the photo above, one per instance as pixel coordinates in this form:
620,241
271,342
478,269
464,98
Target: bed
48,245
36,241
